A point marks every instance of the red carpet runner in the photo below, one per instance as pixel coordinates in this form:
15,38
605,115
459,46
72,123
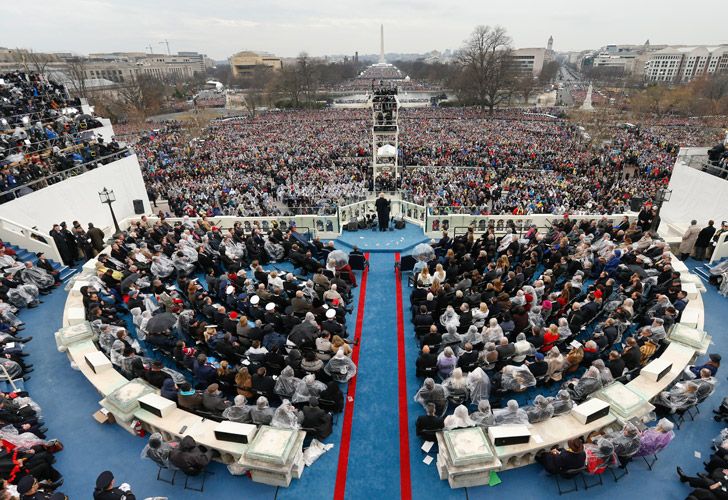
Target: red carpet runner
404,456
343,465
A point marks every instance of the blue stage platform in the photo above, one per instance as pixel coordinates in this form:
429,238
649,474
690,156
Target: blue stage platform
399,240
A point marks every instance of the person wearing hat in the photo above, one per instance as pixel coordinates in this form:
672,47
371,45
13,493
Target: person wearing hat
331,325
213,400
105,489
712,365
538,367
30,489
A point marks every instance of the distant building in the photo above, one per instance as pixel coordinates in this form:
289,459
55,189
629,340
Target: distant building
243,63
681,64
529,60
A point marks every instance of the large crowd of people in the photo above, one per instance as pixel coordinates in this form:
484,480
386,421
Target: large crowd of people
44,133
565,313
458,159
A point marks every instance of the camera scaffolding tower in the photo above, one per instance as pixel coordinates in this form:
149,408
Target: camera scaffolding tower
385,138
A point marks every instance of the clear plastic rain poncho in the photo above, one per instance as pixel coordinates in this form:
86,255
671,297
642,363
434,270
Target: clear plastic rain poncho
20,439
450,319
456,384
452,339
157,450
564,330
516,378
654,440
458,419
605,376
541,410
188,249
680,396
338,258
535,318
511,414
183,263
562,403
286,383
483,417
341,368
473,336
233,250
626,441
430,392
307,387
12,369
162,266
493,332
599,456
588,383
275,250
523,348
261,413
286,416
478,386
239,412
423,252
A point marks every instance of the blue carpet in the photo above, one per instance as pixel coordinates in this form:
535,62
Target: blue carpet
68,401
400,240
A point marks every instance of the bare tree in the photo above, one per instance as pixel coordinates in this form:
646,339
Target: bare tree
307,76
289,83
77,73
486,72
144,94
32,62
523,85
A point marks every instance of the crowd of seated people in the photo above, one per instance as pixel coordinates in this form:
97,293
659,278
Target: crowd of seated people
218,334
43,131
570,310
26,454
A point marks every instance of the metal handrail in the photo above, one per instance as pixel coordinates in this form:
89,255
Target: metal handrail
65,174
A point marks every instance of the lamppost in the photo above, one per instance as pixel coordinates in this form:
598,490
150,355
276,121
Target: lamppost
109,197
663,194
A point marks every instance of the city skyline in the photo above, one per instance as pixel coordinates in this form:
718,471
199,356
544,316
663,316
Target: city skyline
333,28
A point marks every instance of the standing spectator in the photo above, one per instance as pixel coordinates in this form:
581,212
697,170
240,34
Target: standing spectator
703,241
688,240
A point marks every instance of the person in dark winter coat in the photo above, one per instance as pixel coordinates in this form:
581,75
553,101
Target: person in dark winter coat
105,489
703,241
316,419
189,457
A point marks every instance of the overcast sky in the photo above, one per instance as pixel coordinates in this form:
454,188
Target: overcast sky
220,28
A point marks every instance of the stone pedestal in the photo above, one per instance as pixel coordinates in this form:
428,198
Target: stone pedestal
72,334
465,457
275,456
691,337
625,403
124,401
